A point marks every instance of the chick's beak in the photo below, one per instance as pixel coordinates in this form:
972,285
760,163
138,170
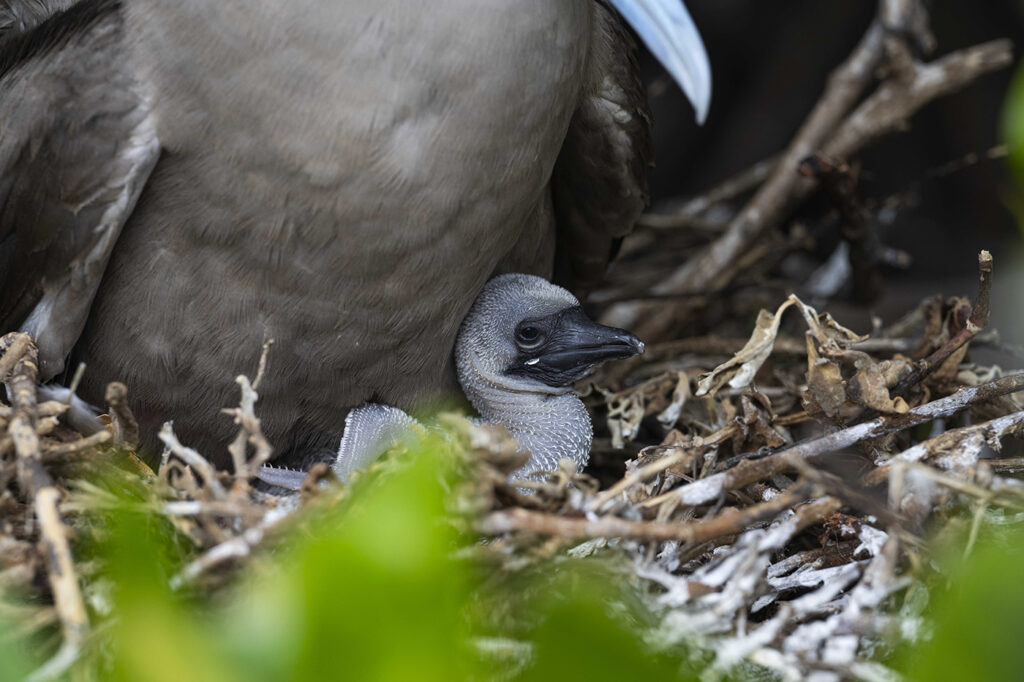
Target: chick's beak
579,345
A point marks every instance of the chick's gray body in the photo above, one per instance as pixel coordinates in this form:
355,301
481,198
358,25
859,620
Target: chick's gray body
341,177
519,351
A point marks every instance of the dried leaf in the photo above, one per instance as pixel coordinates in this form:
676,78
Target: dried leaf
826,393
670,415
739,370
755,425
945,375
829,334
625,412
868,388
894,370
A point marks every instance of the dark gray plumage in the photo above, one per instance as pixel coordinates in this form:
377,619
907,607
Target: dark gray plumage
342,177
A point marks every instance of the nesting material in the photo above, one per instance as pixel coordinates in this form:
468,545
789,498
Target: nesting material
781,518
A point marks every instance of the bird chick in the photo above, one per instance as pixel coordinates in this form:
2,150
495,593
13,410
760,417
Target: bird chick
522,346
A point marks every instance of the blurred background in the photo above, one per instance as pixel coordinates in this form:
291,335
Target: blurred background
770,62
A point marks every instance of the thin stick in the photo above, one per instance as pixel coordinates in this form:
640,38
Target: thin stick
250,430
75,381
234,548
977,321
262,367
37,484
709,489
61,452
745,181
194,460
729,522
126,429
639,476
953,439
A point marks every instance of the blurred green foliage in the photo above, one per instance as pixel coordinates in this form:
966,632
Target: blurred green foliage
15,663
376,590
1013,125
380,588
1013,137
977,616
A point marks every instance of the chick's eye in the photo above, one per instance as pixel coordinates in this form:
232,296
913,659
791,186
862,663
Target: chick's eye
529,335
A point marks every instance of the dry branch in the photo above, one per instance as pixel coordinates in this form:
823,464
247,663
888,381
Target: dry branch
838,130
65,452
689,215
750,471
729,522
704,272
193,459
250,431
962,445
19,374
975,323
889,108
126,429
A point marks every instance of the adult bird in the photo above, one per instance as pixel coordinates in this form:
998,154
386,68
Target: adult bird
181,180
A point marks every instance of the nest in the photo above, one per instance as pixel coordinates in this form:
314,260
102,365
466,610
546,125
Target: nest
783,521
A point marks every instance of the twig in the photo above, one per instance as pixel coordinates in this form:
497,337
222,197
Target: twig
1007,497
749,471
245,416
76,379
50,408
729,522
261,369
976,519
204,507
977,321
953,440
639,476
865,249
13,347
237,547
706,271
882,113
1013,466
690,212
194,460
20,376
61,452
251,431
126,429
889,108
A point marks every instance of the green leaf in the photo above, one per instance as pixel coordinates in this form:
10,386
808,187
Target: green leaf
978,617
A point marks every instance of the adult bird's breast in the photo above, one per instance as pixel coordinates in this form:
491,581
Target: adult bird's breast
340,177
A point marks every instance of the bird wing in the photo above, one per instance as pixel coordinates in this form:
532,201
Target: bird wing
18,16
77,146
599,183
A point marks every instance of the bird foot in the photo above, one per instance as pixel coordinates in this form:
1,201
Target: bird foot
81,416
289,479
